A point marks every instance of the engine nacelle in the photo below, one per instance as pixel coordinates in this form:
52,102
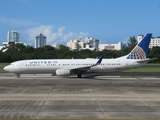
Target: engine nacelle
63,72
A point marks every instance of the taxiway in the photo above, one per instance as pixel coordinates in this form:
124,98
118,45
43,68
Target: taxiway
119,95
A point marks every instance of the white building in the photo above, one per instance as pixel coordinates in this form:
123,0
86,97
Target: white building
118,46
40,41
13,36
1,47
6,45
87,43
73,44
154,41
56,45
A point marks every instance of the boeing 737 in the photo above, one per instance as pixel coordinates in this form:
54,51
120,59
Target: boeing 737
66,67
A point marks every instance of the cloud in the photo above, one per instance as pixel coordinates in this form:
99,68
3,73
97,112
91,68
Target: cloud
125,41
16,22
60,35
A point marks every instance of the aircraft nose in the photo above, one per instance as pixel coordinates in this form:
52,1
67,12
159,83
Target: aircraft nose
5,68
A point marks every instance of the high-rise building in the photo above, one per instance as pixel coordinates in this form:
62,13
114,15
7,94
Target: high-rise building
40,40
13,36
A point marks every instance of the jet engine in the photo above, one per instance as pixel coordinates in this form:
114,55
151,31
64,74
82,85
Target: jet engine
63,72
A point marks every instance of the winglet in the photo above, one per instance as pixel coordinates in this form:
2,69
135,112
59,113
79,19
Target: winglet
99,60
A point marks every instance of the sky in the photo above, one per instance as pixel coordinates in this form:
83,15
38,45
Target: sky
110,21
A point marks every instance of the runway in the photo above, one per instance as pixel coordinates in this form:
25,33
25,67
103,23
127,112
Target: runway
100,97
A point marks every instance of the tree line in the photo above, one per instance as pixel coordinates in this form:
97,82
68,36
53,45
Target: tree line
15,52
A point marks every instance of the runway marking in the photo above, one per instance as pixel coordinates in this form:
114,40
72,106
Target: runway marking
94,78
123,118
79,118
80,96
107,76
128,78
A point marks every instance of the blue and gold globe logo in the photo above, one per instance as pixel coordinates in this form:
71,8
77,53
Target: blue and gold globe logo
137,53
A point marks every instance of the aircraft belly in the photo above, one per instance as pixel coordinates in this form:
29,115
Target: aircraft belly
38,70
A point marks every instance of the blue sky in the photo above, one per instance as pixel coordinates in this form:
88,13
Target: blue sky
110,21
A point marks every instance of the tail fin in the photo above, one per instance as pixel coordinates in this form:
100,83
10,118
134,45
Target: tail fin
140,51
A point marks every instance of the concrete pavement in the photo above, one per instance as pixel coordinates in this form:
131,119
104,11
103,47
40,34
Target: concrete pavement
100,97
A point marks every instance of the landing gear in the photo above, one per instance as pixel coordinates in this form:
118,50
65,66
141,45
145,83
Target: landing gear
52,74
79,75
18,75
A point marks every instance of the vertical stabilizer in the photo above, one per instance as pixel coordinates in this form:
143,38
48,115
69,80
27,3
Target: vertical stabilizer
140,51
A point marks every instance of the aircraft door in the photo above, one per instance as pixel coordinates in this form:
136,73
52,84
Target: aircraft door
126,63
21,65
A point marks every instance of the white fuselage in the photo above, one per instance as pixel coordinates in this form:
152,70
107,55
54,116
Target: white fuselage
66,67
51,65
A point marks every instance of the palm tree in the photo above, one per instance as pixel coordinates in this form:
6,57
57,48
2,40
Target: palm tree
132,42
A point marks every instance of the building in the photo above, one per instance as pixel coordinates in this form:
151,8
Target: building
57,46
155,41
118,46
5,45
13,36
73,44
40,40
87,43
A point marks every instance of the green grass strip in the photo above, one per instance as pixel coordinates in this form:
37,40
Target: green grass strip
144,69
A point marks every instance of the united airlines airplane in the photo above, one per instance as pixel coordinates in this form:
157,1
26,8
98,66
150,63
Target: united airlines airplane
66,67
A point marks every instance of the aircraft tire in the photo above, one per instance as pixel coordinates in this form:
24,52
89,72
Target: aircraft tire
79,75
18,76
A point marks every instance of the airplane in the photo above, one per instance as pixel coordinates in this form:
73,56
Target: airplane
66,67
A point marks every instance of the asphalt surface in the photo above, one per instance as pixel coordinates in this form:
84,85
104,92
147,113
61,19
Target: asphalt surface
116,95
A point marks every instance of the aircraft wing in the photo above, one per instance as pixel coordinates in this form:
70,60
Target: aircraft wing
85,68
146,60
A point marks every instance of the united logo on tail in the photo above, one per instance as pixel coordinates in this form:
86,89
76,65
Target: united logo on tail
141,49
137,53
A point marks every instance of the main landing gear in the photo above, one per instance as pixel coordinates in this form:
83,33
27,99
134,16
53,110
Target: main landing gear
18,75
79,75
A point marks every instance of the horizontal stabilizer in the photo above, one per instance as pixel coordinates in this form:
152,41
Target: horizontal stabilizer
146,60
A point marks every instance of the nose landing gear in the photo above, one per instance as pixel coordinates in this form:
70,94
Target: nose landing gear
79,75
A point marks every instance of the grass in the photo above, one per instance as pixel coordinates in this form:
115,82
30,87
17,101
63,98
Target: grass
152,64
1,70
2,65
146,68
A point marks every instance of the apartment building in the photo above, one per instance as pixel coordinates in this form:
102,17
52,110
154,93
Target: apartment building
40,40
155,41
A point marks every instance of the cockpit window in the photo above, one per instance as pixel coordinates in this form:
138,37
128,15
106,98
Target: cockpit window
13,64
